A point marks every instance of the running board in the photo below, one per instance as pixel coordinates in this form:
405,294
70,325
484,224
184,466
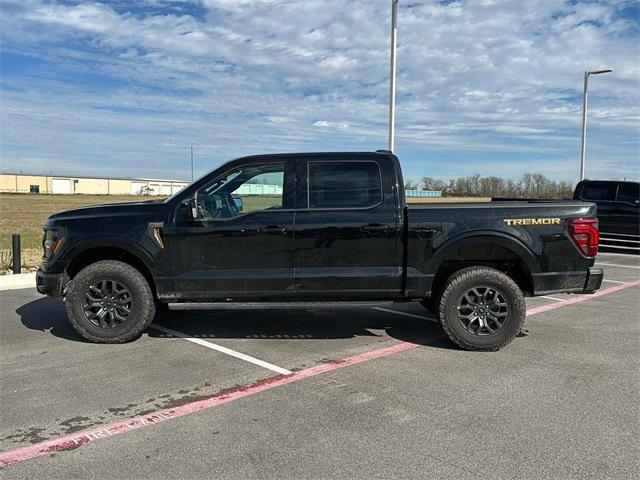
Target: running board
269,305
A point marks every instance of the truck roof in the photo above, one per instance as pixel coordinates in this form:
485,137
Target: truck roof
341,155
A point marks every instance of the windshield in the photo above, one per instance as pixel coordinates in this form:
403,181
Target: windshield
187,186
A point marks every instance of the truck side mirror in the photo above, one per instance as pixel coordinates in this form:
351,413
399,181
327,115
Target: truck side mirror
190,209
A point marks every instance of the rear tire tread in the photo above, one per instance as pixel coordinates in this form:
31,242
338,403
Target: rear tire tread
470,273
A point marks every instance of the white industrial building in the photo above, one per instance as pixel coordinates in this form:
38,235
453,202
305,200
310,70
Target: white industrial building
61,184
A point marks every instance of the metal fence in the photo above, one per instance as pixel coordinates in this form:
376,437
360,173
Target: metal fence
422,193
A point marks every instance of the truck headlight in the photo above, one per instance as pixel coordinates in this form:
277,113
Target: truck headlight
51,242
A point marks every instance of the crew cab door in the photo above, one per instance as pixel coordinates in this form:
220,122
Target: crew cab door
347,230
627,210
603,194
241,244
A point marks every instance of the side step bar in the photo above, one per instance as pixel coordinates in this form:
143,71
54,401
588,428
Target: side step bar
271,305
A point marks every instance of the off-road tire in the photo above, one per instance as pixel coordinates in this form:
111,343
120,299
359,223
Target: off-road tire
462,281
142,302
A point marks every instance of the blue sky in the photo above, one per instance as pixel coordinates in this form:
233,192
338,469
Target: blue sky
123,88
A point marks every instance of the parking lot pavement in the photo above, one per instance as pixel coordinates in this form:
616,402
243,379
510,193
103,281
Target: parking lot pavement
55,383
559,402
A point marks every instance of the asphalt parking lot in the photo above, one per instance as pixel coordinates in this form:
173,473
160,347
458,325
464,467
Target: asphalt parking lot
326,393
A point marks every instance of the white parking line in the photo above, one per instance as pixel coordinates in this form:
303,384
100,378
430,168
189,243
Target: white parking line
430,319
613,281
225,350
552,298
610,254
617,265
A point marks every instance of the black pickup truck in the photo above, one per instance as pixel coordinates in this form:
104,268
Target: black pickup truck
315,228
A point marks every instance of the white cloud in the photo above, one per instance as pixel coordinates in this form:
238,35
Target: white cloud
135,87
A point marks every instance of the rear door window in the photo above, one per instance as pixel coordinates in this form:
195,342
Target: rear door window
598,191
629,192
354,184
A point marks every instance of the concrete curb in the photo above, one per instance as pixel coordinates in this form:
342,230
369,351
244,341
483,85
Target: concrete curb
15,282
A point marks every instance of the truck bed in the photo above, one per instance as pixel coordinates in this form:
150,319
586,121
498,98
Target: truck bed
532,231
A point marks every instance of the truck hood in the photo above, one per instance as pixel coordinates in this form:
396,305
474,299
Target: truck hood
110,210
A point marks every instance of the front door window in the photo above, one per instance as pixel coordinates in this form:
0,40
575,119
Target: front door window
245,189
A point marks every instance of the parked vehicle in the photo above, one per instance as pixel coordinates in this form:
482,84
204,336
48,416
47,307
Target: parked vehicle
618,212
618,204
336,230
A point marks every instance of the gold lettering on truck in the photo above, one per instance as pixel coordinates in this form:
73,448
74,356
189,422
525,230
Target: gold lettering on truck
532,221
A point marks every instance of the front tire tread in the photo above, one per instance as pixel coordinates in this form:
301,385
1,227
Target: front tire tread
114,268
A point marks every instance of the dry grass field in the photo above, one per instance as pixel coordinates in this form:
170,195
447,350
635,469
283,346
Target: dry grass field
448,199
25,214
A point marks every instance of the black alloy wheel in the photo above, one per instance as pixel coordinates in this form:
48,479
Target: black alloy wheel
483,310
107,303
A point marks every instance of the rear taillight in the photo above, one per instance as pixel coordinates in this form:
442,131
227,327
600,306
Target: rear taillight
584,232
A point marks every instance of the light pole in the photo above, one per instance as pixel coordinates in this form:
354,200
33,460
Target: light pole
191,163
392,89
585,100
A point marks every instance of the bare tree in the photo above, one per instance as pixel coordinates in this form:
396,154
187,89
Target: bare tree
530,185
429,183
540,184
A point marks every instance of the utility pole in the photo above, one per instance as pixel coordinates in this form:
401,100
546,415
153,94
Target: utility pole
585,101
392,88
191,163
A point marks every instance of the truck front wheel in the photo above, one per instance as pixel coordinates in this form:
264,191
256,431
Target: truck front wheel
481,309
109,302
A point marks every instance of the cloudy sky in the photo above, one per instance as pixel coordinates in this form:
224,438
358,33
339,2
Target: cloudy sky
123,88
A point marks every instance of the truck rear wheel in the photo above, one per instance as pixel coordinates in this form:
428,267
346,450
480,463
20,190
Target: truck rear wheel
481,309
110,302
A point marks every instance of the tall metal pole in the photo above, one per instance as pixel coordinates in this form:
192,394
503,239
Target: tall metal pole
585,99
191,163
392,89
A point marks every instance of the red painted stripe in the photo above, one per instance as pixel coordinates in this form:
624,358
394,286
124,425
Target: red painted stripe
86,436
580,298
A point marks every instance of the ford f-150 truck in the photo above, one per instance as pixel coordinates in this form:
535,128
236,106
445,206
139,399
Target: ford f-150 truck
315,228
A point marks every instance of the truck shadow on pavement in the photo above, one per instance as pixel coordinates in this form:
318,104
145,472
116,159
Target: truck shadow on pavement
301,324
47,314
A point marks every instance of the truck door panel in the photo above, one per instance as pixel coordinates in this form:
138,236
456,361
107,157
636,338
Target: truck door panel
627,211
230,254
348,236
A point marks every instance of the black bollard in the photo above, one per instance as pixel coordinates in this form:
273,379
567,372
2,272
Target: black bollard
15,246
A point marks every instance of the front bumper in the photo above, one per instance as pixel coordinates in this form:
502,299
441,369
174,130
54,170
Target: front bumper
49,283
568,282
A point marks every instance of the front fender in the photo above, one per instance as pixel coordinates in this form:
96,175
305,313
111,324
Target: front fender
116,242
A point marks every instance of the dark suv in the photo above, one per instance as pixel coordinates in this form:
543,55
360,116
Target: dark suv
618,204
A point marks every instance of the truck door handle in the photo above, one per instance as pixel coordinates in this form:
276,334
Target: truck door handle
375,228
274,230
